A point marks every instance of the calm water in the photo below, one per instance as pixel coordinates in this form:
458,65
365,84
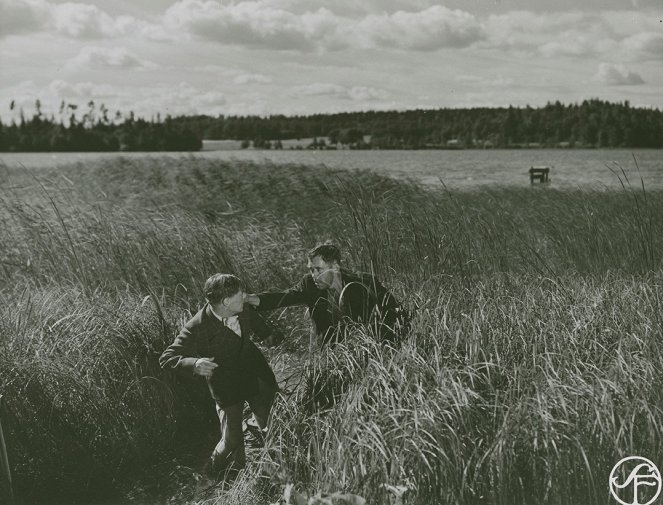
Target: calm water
463,169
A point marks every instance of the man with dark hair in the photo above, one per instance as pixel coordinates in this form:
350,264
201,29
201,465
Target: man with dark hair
334,295
214,344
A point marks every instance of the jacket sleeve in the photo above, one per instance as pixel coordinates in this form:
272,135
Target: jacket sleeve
261,328
296,295
182,354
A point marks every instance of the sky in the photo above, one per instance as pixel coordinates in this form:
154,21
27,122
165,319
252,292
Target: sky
262,57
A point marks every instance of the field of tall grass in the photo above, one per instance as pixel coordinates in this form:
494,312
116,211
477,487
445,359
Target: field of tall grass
533,364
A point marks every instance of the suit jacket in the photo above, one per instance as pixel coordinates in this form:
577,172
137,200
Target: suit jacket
362,298
241,364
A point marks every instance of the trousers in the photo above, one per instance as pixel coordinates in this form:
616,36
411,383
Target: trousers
230,450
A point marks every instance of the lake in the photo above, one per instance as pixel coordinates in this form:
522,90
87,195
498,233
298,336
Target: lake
457,169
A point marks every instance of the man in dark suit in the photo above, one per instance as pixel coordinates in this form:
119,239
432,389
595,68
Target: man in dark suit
335,295
215,344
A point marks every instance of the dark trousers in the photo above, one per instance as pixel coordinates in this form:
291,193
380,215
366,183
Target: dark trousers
230,448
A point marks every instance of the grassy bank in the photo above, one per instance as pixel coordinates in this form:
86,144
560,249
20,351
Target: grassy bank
533,364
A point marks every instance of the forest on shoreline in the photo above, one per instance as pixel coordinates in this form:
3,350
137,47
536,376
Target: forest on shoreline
591,124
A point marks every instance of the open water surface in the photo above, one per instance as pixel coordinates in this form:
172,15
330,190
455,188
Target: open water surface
457,169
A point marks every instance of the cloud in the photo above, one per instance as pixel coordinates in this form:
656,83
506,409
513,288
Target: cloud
617,75
81,90
493,82
551,34
252,79
20,16
269,24
82,21
577,34
109,57
144,101
319,89
251,23
216,69
181,99
430,29
71,19
366,94
646,46
644,4
355,93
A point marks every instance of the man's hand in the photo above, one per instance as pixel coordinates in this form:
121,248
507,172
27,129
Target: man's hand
204,367
252,299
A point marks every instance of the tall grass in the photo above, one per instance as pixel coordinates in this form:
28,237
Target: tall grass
532,366
497,397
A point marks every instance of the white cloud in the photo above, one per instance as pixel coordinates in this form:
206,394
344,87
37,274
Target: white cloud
268,24
80,90
430,29
577,34
237,75
355,93
614,74
252,79
145,101
109,57
215,69
83,21
318,89
175,100
551,34
648,45
494,82
366,94
206,100
19,16
251,23
71,19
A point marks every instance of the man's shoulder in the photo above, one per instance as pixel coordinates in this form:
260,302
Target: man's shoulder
249,313
361,277
199,319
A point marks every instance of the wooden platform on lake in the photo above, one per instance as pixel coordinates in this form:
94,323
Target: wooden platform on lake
539,173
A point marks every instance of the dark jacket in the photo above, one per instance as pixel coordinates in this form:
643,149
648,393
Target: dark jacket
363,299
241,364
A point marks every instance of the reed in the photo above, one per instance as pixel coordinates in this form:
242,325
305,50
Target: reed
531,368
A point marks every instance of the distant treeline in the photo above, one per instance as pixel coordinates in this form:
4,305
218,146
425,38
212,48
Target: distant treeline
593,123
95,131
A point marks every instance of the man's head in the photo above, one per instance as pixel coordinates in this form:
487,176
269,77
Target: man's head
225,293
324,263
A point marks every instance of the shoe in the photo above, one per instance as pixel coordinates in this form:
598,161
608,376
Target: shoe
217,472
211,470
254,439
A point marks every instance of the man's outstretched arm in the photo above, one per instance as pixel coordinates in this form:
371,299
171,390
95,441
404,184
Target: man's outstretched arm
297,295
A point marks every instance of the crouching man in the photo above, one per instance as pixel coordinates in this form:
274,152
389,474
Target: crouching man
334,295
215,344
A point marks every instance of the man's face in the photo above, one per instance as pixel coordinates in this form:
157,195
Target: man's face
323,272
235,303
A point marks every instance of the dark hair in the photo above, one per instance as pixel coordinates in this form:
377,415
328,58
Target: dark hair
329,252
221,286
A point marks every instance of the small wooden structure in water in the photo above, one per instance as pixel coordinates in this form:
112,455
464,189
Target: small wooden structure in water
539,173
